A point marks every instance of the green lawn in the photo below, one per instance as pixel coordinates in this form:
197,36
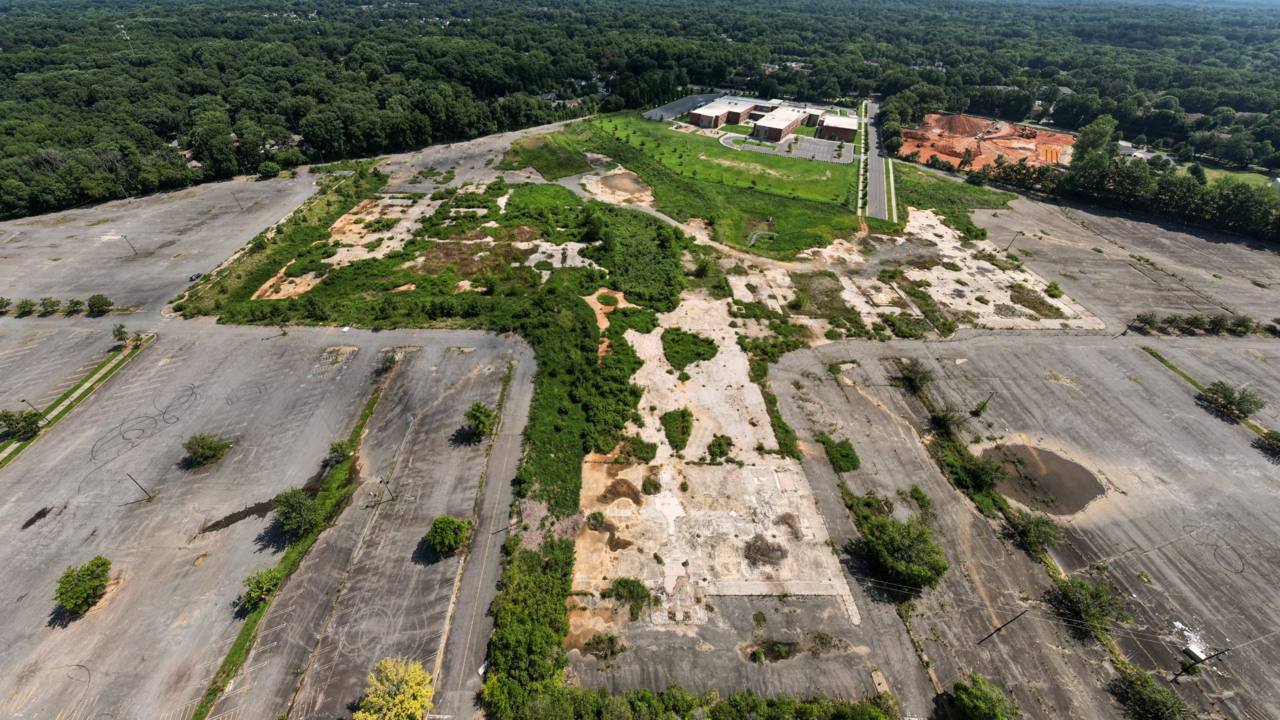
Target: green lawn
725,197
804,130
701,157
554,155
1247,176
953,200
737,129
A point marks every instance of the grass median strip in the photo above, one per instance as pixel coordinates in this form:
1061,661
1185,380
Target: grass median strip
75,396
335,492
1153,353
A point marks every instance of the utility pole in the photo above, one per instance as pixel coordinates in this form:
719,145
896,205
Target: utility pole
131,247
1185,668
135,482
1015,237
238,201
993,632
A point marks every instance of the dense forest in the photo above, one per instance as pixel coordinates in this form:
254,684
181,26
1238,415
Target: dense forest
99,101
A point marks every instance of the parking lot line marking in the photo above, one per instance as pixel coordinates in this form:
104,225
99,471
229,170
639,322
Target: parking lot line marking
264,632
229,715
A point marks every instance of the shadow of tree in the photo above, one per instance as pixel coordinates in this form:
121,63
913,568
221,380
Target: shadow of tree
273,537
1211,406
425,553
1271,452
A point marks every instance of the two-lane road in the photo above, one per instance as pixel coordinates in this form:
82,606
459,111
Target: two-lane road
877,194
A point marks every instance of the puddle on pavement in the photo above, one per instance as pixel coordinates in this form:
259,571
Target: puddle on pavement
1045,481
261,509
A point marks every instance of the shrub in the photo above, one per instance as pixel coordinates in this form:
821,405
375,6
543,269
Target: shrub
916,375
268,170
719,447
904,553
840,452
677,424
397,689
640,449
596,521
49,305
205,449
4,305
980,700
299,513
1219,324
632,592
74,306
259,587
481,420
607,300
651,485
80,588
25,306
448,533
1147,321
1053,290
1037,532
683,349
99,304
1094,605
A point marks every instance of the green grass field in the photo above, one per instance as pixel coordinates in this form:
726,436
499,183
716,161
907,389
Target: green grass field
1246,176
554,155
704,158
953,200
805,130
737,129
737,210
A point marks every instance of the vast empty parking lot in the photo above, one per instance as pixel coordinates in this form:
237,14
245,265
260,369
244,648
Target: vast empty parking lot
140,252
40,362
1186,524
372,588
154,643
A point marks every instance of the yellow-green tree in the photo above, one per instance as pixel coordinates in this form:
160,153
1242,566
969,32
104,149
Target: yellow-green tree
399,689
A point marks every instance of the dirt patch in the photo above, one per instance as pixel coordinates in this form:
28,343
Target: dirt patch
792,523
1044,480
281,287
949,136
620,187
467,259
619,489
772,650
760,551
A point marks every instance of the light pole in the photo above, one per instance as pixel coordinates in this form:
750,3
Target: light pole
131,247
135,482
1015,237
35,410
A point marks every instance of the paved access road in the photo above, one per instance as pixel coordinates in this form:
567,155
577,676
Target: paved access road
877,193
676,108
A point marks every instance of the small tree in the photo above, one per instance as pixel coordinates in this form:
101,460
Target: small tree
1037,532
980,700
119,333
25,306
19,424
916,375
1240,402
74,306
397,690
1075,598
4,305
80,588
299,513
259,587
448,533
268,170
49,306
99,304
205,449
481,420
